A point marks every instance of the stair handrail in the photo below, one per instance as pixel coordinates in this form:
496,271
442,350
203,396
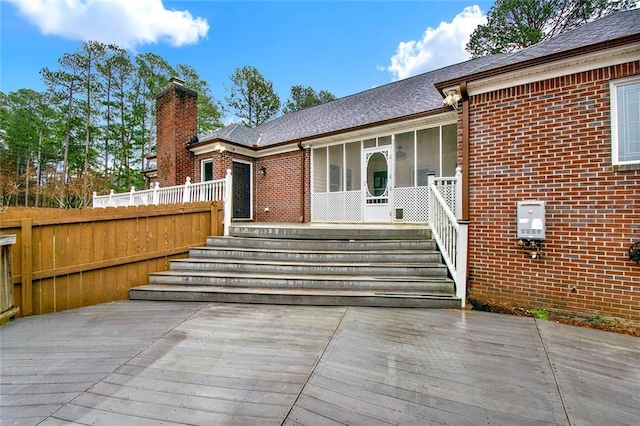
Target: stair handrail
450,234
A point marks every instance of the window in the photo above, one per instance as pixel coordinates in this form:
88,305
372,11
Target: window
625,121
336,159
207,170
353,156
405,160
320,170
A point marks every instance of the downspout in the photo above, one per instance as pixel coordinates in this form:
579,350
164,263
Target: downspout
464,223
302,188
465,150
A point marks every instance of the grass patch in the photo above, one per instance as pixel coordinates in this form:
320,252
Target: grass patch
541,314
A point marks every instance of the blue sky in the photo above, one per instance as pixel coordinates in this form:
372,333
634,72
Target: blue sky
341,46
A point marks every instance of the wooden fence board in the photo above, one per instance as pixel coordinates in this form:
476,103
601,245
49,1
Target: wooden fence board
68,259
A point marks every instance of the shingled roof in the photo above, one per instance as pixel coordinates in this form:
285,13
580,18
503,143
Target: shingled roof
615,28
419,95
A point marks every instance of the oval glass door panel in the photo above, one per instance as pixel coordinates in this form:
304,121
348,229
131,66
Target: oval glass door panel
377,174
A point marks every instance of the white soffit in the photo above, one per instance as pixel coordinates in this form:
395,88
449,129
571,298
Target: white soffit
591,61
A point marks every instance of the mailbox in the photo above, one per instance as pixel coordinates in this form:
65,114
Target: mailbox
531,220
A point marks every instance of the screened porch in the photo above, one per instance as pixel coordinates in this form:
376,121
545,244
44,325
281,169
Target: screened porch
384,179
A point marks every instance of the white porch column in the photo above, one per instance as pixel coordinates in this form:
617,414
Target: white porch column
228,194
458,211
461,261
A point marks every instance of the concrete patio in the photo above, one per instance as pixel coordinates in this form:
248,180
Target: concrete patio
149,363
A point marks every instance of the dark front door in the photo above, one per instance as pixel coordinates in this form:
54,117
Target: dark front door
241,190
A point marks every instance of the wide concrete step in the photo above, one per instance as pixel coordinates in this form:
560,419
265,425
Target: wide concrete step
421,284
320,244
320,256
356,265
294,296
330,231
267,267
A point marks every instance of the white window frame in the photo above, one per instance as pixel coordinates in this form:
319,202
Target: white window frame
613,86
202,163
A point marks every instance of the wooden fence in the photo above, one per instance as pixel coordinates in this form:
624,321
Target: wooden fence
65,259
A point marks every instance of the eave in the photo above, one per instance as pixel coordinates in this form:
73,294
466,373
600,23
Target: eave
424,119
600,55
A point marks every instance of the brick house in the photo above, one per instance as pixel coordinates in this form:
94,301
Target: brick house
558,123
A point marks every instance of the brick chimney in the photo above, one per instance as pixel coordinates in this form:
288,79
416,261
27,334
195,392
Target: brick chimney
177,123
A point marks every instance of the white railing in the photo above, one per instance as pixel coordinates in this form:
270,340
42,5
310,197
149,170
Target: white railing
449,231
448,188
213,190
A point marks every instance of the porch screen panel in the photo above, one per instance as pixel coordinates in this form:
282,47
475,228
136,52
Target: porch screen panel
428,152
449,150
405,160
336,163
384,140
353,156
320,170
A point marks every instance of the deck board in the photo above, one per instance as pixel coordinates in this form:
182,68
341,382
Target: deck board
598,373
147,363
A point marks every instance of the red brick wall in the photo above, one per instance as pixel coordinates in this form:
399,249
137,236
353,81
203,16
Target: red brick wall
307,185
279,189
177,120
551,141
221,162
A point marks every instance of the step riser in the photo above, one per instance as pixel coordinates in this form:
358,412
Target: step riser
313,300
248,268
325,233
435,287
323,245
210,253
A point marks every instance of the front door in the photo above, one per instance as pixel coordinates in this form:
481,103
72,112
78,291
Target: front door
378,184
241,190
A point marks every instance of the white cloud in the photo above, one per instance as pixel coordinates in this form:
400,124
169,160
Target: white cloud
438,47
127,23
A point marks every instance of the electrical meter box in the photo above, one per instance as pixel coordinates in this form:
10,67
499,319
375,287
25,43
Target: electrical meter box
531,220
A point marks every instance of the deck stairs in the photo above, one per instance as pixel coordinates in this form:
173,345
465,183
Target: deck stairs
395,266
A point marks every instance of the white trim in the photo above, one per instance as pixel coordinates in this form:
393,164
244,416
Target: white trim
613,85
588,62
222,147
449,117
202,163
237,160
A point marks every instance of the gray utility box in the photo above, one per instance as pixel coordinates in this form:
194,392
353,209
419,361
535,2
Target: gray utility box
531,220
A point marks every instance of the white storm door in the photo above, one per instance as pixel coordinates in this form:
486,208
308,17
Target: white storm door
377,164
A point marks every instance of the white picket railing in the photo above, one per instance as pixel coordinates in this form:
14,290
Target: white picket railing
449,231
213,190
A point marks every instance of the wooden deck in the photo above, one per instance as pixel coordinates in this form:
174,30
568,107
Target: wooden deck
139,363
